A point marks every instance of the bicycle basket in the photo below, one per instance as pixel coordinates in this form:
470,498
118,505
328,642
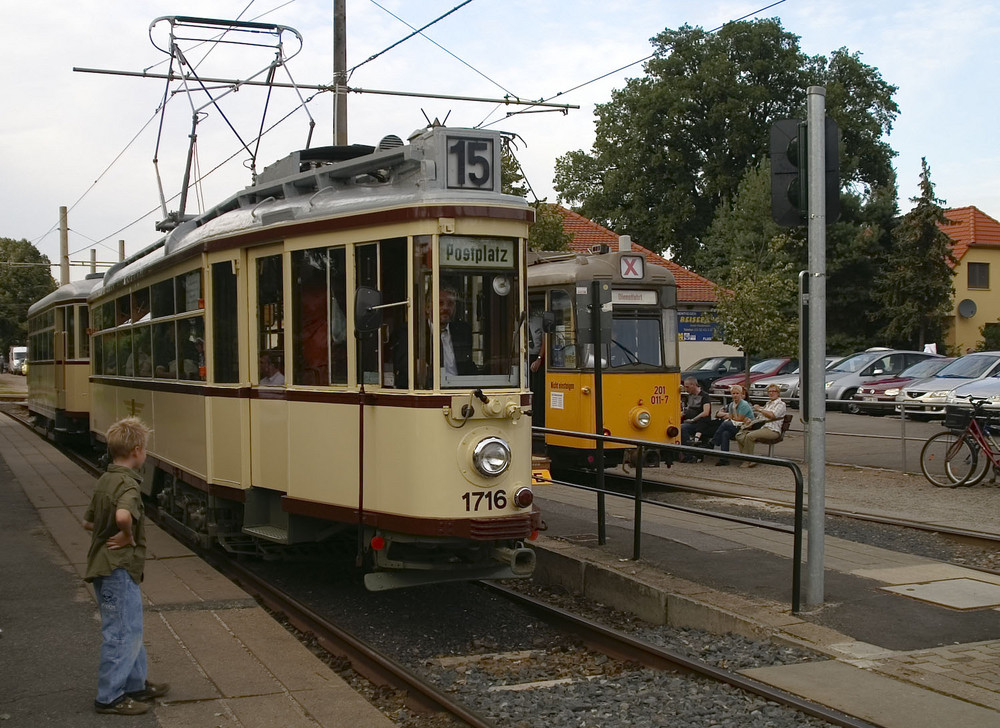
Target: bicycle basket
956,417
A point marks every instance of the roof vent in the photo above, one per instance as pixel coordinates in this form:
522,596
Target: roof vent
624,243
390,141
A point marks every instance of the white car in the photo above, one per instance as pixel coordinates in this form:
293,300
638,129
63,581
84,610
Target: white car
928,398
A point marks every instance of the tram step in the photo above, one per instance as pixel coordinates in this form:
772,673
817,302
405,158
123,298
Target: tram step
271,533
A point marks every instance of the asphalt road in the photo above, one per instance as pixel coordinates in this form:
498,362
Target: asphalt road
863,440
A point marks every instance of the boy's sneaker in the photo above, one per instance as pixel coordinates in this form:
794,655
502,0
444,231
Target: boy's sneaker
150,692
124,706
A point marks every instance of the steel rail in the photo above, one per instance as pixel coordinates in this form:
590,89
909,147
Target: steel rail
620,645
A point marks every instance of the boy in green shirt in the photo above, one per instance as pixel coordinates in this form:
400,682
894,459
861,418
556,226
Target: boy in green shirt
114,566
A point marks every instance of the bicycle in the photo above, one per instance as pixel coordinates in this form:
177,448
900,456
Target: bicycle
961,456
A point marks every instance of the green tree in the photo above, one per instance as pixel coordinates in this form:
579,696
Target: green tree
24,279
546,232
915,288
672,146
757,309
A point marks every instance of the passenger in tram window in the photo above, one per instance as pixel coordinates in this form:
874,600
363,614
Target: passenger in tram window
115,563
271,374
456,336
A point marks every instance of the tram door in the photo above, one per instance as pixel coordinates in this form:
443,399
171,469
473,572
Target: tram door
268,408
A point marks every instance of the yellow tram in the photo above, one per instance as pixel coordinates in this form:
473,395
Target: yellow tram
639,353
337,351
59,360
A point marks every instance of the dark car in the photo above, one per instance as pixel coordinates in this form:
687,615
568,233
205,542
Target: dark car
711,368
890,388
761,370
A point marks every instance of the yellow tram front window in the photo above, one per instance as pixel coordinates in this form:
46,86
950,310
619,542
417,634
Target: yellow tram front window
476,312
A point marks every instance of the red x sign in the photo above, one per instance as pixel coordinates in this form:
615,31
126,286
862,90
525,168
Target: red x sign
632,267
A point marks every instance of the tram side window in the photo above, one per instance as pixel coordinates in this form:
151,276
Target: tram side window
165,350
338,315
423,311
123,310
124,353
83,338
163,298
189,295
562,342
97,360
140,305
225,329
392,264
270,321
366,274
191,346
69,332
310,317
141,363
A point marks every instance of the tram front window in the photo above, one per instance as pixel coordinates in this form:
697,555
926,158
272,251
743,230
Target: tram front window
476,313
635,341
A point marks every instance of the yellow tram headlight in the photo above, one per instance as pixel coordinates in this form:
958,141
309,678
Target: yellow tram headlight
640,418
491,456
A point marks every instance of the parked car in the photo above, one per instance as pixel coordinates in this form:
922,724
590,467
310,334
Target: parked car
844,377
18,356
928,398
788,386
766,368
711,368
889,389
987,388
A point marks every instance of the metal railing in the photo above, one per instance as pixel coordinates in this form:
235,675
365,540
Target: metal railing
637,496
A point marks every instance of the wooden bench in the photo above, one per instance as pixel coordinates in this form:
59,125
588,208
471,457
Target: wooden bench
786,422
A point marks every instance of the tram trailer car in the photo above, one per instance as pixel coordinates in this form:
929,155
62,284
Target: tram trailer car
641,376
59,360
337,351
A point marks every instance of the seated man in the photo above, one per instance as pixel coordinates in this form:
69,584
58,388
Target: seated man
697,416
773,413
270,369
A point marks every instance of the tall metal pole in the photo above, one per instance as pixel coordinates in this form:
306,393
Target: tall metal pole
93,260
340,72
816,405
63,247
595,312
121,250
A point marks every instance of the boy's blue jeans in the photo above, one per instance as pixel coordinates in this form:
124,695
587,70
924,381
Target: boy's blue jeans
123,655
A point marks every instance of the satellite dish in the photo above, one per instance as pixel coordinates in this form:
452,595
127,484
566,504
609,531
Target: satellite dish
967,308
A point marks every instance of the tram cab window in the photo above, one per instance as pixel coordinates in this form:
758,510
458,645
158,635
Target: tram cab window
366,274
270,318
562,341
476,317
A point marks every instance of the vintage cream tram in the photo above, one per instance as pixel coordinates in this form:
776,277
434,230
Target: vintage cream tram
59,360
338,351
639,353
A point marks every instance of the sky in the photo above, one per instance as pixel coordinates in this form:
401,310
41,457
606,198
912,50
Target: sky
87,141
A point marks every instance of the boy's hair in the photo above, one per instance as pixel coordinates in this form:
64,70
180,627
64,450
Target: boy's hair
125,436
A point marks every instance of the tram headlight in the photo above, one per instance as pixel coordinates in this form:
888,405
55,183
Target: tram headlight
640,418
491,456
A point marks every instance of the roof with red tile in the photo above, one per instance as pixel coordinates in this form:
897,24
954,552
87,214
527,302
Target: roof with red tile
587,233
970,226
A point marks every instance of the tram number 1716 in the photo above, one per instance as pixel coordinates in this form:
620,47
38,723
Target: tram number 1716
485,500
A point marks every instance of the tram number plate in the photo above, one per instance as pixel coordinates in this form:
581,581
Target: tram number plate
470,163
485,500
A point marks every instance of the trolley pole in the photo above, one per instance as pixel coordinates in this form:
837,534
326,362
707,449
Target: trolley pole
816,396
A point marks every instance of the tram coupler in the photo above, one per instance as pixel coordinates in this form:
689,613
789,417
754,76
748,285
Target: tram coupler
520,559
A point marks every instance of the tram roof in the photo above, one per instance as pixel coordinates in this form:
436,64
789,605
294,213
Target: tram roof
553,269
72,292
330,182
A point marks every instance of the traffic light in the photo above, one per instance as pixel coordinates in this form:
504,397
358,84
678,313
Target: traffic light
790,174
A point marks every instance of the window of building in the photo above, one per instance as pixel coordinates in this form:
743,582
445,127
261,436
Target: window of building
979,275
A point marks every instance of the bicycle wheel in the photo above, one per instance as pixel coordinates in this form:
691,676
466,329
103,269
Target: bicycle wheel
948,460
983,465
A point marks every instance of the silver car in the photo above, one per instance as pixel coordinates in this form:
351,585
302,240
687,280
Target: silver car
844,377
928,398
788,386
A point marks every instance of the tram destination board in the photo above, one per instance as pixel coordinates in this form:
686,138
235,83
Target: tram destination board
473,162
